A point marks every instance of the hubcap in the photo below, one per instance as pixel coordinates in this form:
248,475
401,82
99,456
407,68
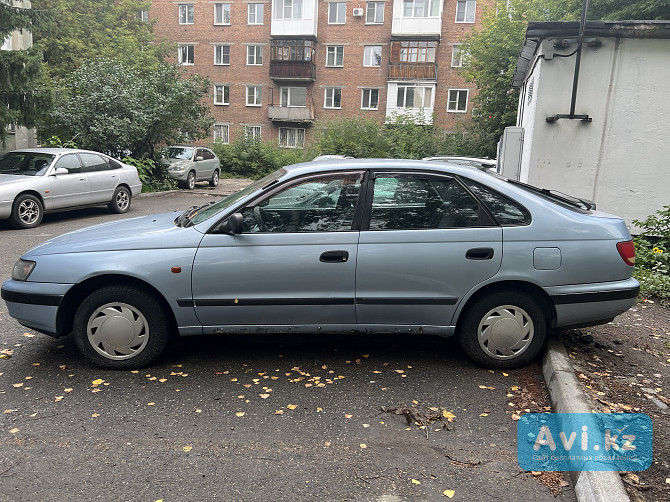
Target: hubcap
122,199
117,331
505,332
191,180
29,212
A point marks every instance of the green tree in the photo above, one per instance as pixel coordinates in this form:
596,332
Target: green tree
113,107
92,29
23,94
357,136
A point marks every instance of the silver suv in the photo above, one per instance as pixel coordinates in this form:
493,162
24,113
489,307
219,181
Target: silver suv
190,164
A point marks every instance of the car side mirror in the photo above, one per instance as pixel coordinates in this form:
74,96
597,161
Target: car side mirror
60,170
233,225
199,158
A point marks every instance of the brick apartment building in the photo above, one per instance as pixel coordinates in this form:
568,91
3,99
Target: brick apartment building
277,66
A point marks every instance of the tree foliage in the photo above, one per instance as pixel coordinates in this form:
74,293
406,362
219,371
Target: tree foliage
97,29
491,53
22,91
109,106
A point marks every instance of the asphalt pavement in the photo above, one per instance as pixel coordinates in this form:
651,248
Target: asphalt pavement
245,418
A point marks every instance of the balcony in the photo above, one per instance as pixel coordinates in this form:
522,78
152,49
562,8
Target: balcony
412,71
297,114
293,70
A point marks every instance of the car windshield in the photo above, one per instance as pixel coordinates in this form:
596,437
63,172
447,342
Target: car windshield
176,152
25,163
204,212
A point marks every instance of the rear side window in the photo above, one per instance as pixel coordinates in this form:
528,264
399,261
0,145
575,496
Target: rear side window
93,163
505,210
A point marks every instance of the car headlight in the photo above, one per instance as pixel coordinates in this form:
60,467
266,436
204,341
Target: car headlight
22,269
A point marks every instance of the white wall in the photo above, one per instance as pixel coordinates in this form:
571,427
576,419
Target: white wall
620,159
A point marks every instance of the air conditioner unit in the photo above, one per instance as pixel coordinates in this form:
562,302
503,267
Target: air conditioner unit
358,12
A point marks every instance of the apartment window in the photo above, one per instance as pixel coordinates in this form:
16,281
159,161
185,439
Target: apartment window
465,11
186,54
372,55
291,137
293,96
221,133
253,95
370,99
413,52
421,8
222,54
252,132
254,55
333,97
414,96
255,13
288,9
334,55
337,12
7,43
375,13
456,56
458,100
222,13
143,16
221,94
185,13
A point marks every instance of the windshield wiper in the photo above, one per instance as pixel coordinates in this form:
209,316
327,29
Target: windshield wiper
184,219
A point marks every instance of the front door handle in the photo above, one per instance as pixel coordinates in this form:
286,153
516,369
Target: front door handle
479,254
334,256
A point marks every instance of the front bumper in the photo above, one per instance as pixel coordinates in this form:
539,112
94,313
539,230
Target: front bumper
592,304
178,175
34,304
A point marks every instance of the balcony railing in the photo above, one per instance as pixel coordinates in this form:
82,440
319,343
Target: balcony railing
292,70
413,71
291,114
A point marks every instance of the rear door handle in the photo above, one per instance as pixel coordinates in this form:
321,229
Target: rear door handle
334,256
479,254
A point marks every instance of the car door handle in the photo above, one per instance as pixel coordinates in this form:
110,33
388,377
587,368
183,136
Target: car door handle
479,254
334,256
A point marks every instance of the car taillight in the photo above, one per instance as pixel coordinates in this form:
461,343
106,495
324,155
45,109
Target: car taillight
627,251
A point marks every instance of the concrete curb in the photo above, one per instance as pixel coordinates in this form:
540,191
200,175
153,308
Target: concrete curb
567,397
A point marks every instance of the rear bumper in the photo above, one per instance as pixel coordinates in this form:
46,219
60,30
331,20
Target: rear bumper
592,304
34,304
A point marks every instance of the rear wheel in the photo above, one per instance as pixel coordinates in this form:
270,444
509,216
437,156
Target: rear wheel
121,327
120,201
27,212
505,329
215,179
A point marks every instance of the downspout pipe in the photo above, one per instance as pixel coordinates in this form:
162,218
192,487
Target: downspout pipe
580,42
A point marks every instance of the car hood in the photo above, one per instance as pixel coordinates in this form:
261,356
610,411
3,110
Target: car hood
12,179
146,232
179,162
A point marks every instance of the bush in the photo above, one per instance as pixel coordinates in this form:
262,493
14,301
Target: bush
153,175
652,254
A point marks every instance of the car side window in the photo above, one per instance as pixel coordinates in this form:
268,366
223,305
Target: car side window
199,153
93,163
411,202
206,154
504,209
69,162
114,164
323,204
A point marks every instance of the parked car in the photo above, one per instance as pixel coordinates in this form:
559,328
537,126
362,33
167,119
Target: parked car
35,181
190,164
385,246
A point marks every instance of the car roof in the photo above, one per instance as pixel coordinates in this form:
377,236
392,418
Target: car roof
55,151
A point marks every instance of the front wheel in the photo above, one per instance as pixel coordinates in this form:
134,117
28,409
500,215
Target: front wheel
121,327
190,180
215,179
120,201
503,330
27,212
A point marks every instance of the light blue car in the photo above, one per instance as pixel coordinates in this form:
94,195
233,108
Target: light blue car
384,246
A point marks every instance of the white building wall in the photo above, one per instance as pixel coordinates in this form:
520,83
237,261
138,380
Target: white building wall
619,160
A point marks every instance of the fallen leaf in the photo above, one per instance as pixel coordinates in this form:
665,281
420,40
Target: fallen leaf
264,396
28,335
151,404
348,415
416,482
58,399
279,412
33,415
483,414
327,443
366,425
319,410
95,415
363,446
365,355
198,410
17,384
14,430
163,380
449,493
187,448
9,411
67,390
239,414
97,382
485,387
291,406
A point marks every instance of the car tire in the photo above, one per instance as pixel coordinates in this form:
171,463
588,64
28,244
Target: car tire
121,328
214,182
190,180
503,330
120,201
27,212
